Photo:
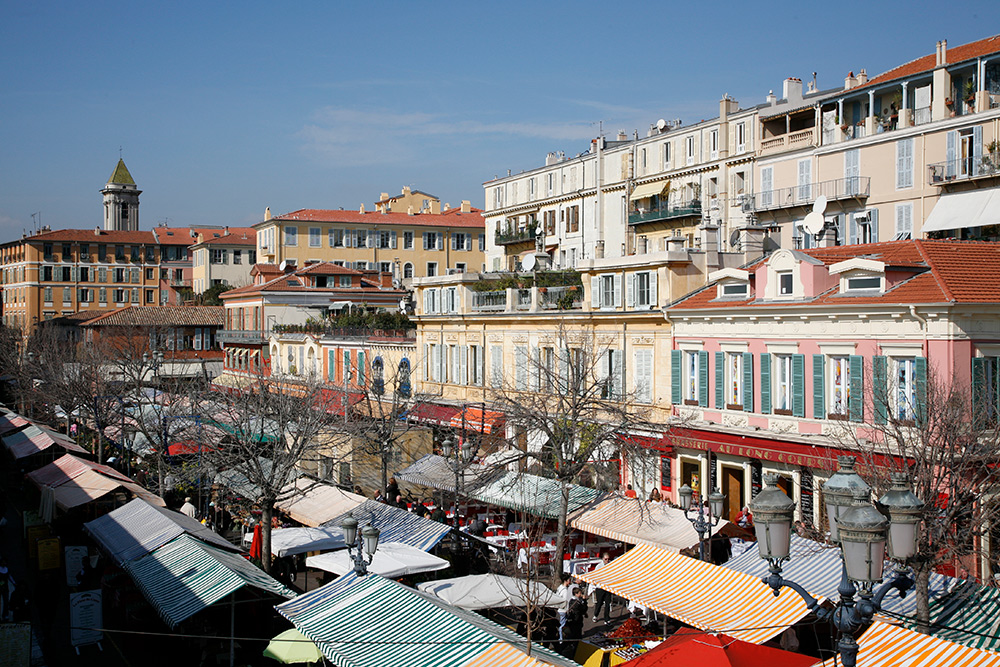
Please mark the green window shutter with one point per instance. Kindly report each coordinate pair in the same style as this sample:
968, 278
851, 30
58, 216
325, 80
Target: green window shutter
920, 373
799, 385
361, 367
765, 383
748, 381
347, 366
675, 376
880, 388
980, 392
331, 365
720, 375
856, 401
703, 379
819, 386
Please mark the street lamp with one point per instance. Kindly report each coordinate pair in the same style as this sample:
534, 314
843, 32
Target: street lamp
862, 532
360, 545
463, 455
702, 522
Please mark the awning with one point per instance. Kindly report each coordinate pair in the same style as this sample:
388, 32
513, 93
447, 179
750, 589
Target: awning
188, 447
429, 413
292, 541
883, 645
11, 422
701, 594
435, 471
339, 305
424, 630
817, 568
186, 575
75, 481
138, 528
960, 210
82, 489
35, 438
649, 190
313, 504
969, 614
636, 521
396, 524
391, 559
692, 647
477, 419
485, 591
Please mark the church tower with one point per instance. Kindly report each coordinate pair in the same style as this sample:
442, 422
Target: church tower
121, 200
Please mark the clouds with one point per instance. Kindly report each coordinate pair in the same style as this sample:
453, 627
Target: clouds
354, 137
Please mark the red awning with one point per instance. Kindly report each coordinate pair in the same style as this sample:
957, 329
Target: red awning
429, 413
477, 419
187, 447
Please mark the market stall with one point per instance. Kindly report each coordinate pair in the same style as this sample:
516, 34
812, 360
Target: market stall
486, 591
391, 559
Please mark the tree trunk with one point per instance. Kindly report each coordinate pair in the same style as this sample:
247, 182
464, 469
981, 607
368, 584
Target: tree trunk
923, 578
267, 511
557, 558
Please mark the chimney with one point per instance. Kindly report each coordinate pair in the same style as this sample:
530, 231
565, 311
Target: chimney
622, 135
447, 206
771, 99
267, 214
97, 231
435, 207
727, 106
944, 51
466, 206
850, 81
406, 190
409, 210
862, 77
225, 230
362, 209
791, 89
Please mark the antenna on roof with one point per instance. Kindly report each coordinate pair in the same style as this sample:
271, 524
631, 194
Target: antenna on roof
36, 222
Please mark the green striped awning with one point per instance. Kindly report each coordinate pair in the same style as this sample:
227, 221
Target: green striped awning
186, 575
372, 621
969, 614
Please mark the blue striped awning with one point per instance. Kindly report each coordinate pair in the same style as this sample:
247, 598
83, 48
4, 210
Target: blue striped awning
817, 568
969, 614
138, 528
186, 575
372, 621
396, 524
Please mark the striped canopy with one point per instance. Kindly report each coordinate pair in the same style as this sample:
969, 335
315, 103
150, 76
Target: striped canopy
372, 621
138, 528
186, 575
817, 568
35, 438
436, 472
75, 481
635, 521
396, 524
884, 645
968, 608
701, 594
313, 504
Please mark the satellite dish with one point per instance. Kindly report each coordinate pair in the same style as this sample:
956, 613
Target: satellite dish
734, 238
402, 305
819, 206
528, 263
814, 223
661, 125
283, 265
396, 283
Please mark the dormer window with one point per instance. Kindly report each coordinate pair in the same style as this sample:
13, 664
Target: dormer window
732, 283
864, 283
735, 290
860, 275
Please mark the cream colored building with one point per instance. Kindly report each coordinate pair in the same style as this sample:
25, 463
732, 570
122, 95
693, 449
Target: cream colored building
223, 256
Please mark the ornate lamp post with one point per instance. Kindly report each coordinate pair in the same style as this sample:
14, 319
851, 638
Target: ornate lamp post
862, 531
702, 522
360, 545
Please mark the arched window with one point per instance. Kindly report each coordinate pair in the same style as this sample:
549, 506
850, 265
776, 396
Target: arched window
408, 270
378, 376
403, 383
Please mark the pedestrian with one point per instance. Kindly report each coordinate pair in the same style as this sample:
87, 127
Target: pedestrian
565, 592
654, 496
602, 597
378, 496
358, 490
392, 489
630, 492
189, 509
575, 614
400, 503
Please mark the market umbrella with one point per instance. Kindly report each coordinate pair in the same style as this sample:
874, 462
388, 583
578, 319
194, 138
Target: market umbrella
392, 559
693, 647
291, 646
482, 591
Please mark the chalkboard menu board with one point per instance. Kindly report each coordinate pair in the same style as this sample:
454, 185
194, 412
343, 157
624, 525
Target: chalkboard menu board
806, 496
713, 477
666, 471
756, 477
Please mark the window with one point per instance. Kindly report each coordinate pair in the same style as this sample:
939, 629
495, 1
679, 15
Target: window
102, 252
67, 252
218, 256
378, 376
67, 273
864, 283
135, 254
47, 251
805, 180
102, 295
408, 270
48, 295
642, 160
735, 290
666, 155
482, 242
252, 256
237, 257
521, 367
572, 219
904, 390
692, 366
460, 267
450, 299
713, 144
119, 295
86, 295
385, 267
149, 274
291, 236
120, 253
840, 385
607, 290
496, 365
741, 137
904, 221
150, 296
314, 237
549, 220
461, 241
643, 375
344, 281
551, 183
407, 240
766, 186
783, 383
904, 163
643, 284
150, 254
689, 150
433, 240
734, 380
432, 269
785, 283
47, 274
403, 387
67, 295
476, 365
498, 197
84, 252
335, 238
431, 301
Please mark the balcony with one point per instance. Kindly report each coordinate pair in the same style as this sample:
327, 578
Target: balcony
663, 212
560, 298
963, 169
804, 195
787, 142
180, 282
246, 337
485, 302
512, 234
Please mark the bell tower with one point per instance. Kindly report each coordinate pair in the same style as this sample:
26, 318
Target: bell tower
121, 200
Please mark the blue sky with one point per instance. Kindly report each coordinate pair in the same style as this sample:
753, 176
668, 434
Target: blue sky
223, 109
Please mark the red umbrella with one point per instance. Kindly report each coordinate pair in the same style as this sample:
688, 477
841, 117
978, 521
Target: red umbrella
693, 647
255, 546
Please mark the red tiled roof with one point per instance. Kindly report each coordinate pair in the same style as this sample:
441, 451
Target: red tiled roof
93, 236
449, 219
328, 269
955, 54
943, 272
145, 316
236, 236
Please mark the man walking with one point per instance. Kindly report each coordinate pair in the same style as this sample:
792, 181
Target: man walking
602, 597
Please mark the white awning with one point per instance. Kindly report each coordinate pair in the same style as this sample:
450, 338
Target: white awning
392, 559
960, 210
648, 190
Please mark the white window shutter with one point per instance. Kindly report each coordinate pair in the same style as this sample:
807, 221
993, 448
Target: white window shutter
618, 289
481, 362
653, 298
392, 240
534, 369
454, 241
197, 338
463, 355
595, 292
630, 290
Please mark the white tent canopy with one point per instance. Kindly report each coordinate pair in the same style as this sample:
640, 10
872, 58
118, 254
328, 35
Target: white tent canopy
292, 541
392, 559
481, 591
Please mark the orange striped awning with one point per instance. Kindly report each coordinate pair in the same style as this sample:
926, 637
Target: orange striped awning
477, 419
883, 644
701, 594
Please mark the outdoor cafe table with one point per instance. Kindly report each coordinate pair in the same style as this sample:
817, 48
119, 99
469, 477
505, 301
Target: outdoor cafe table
578, 565
522, 554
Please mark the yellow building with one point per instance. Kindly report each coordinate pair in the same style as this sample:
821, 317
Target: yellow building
223, 256
405, 245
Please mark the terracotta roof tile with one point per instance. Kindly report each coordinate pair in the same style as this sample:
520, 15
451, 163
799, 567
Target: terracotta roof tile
955, 54
327, 269
93, 236
140, 316
449, 219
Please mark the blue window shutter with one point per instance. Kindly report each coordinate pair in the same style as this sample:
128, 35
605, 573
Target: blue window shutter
703, 379
819, 386
880, 388
799, 385
920, 373
675, 376
720, 375
856, 401
765, 383
748, 381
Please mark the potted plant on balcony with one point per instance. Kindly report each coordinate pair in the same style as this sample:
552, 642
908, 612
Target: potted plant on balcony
970, 91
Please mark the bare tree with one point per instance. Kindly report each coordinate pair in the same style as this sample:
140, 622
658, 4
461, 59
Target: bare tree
949, 446
568, 410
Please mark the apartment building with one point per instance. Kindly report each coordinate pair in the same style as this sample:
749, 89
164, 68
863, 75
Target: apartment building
223, 256
405, 245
